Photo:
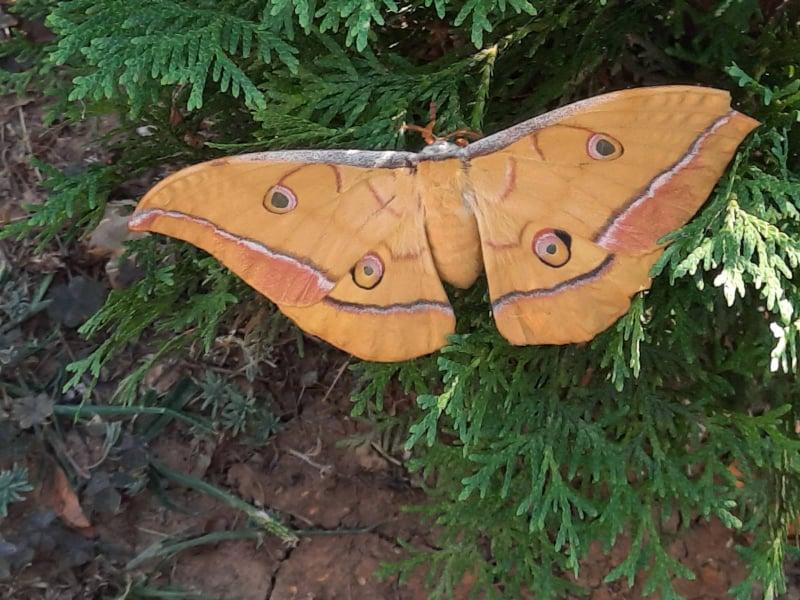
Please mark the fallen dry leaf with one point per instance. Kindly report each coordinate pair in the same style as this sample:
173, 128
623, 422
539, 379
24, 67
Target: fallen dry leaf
32, 410
108, 238
122, 272
245, 479
163, 375
368, 459
76, 301
62, 500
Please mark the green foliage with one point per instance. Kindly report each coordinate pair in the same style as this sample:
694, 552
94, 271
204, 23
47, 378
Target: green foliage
13, 484
130, 51
133, 49
744, 236
190, 293
237, 413
356, 18
530, 454
341, 98
18, 82
76, 200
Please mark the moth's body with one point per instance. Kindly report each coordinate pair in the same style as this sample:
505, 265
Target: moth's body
563, 212
450, 225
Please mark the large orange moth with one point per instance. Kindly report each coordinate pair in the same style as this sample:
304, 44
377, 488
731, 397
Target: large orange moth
563, 212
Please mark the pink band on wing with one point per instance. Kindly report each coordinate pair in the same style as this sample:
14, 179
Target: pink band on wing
666, 203
281, 277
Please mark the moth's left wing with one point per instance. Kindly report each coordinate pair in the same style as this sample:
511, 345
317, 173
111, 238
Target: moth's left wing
570, 205
335, 238
291, 224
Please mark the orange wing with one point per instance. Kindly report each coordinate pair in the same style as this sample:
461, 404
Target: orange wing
569, 208
336, 239
291, 224
392, 307
571, 205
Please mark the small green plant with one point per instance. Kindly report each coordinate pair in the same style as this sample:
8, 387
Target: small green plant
13, 484
236, 412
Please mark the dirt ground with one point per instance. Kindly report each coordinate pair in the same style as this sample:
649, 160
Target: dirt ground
347, 496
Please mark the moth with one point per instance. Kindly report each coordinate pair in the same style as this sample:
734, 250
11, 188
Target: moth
563, 212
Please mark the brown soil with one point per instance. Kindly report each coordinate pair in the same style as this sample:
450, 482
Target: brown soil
350, 503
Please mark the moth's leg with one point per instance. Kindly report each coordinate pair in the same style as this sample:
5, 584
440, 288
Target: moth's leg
426, 132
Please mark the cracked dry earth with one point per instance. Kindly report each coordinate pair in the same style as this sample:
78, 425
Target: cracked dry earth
351, 498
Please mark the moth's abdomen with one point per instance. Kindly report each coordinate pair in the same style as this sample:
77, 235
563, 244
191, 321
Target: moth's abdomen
449, 223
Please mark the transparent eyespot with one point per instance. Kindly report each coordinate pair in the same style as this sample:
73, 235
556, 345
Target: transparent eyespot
368, 271
603, 147
552, 247
280, 200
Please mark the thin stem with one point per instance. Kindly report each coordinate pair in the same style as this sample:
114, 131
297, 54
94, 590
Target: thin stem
489, 56
261, 517
162, 549
90, 410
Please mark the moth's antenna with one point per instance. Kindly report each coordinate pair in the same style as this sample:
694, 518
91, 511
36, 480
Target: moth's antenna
432, 111
464, 136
